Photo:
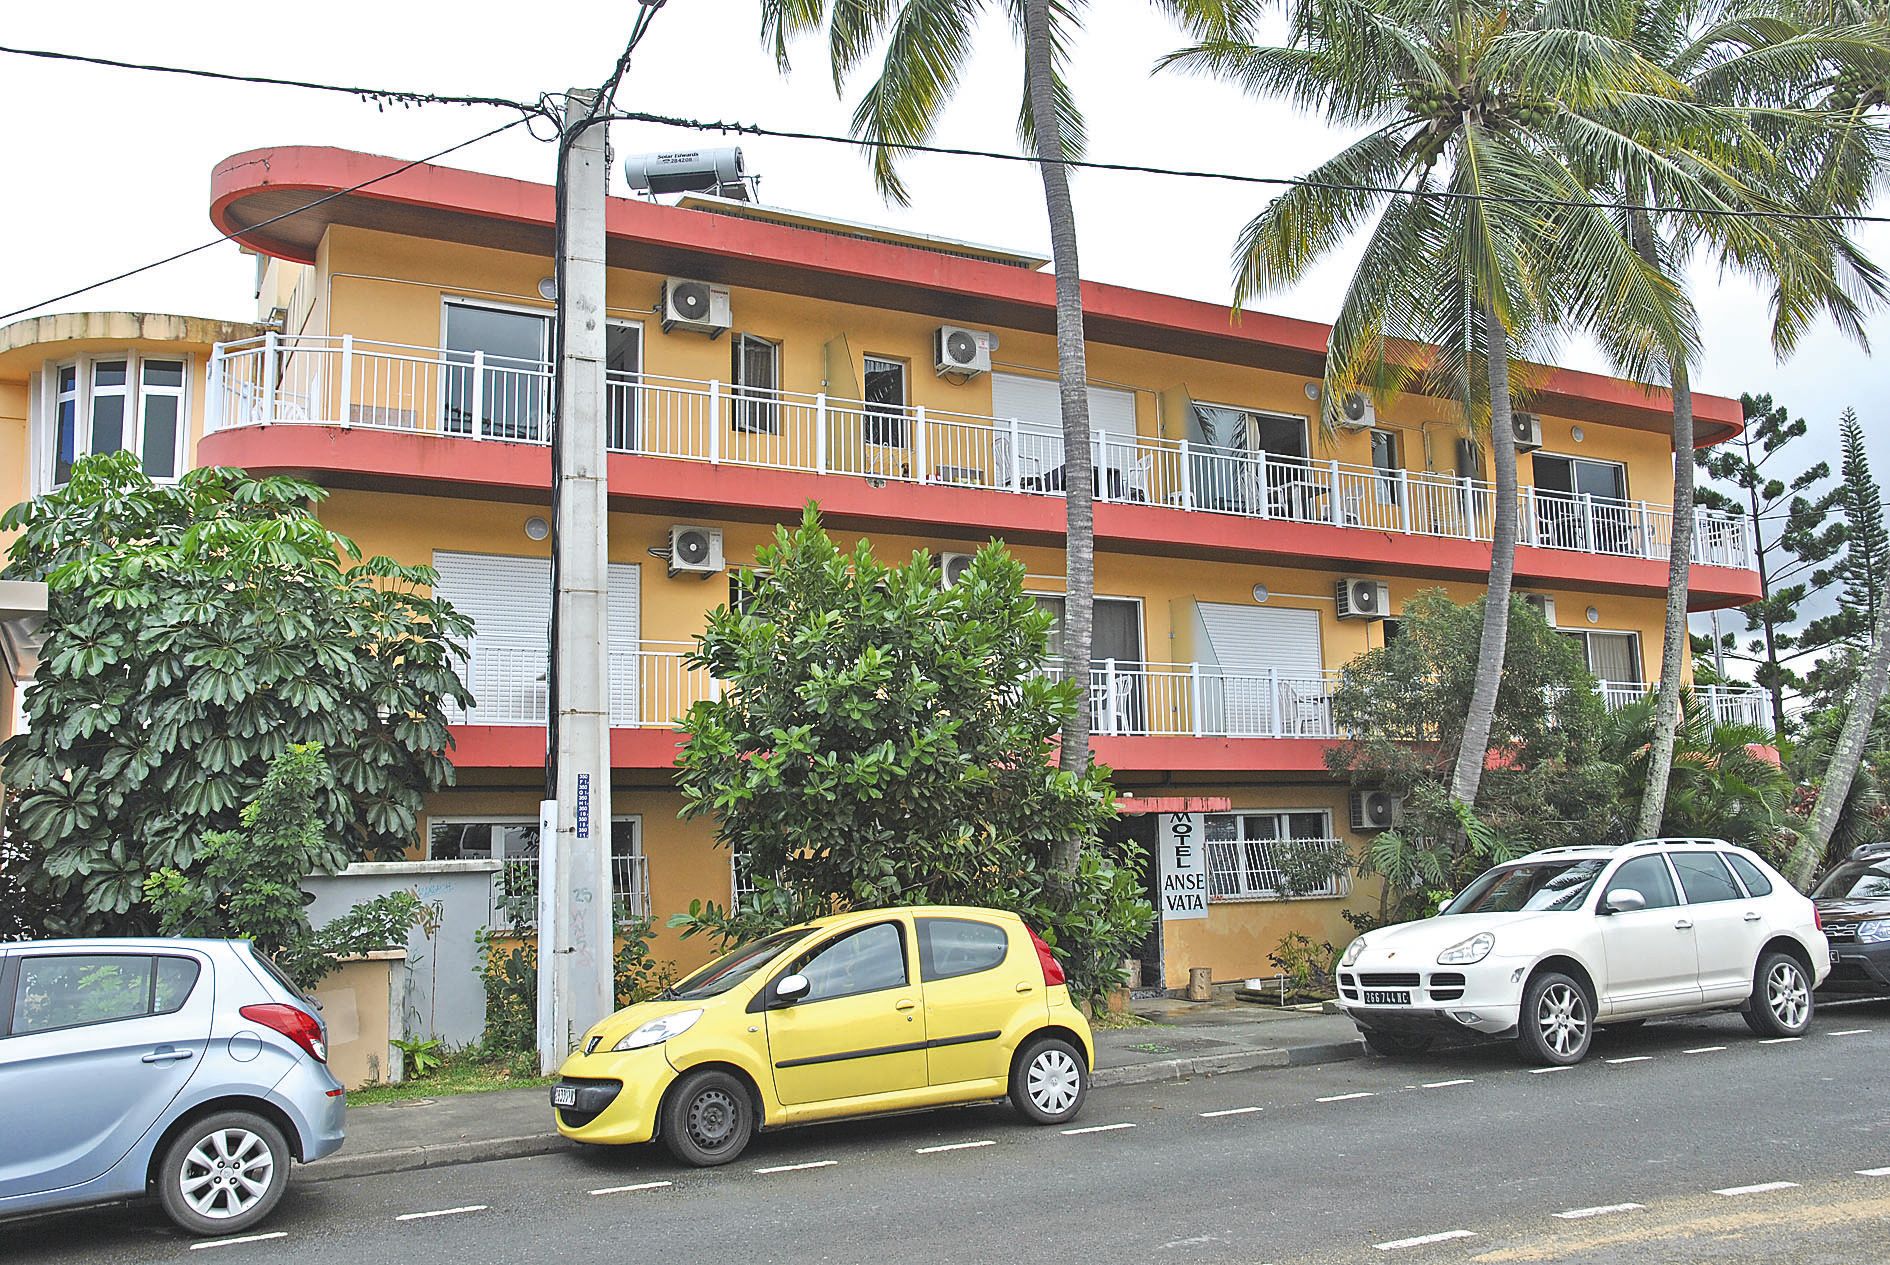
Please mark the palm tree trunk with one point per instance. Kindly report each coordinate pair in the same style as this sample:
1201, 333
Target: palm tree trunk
1473, 752
1845, 757
1079, 474
1673, 647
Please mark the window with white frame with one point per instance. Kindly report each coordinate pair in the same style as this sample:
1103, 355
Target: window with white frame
116, 401
514, 842
1251, 855
756, 372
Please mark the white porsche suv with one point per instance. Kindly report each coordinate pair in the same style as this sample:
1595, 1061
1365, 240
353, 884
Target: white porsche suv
1547, 947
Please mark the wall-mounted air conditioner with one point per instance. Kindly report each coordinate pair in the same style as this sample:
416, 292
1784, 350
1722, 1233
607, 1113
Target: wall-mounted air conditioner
1362, 599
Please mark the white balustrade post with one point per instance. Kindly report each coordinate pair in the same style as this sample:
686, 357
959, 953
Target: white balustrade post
1648, 548
214, 381
1017, 456
1266, 492
715, 423
1338, 494
345, 414
1194, 698
479, 395
820, 433
1588, 523
1099, 479
270, 411
1187, 477
1278, 722
1109, 694
1530, 522
919, 445
1404, 500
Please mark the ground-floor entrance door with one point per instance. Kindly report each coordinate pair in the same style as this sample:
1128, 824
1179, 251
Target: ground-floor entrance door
1141, 828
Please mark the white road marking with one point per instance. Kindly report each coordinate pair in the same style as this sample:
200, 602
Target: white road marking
1543, 1071
1760, 1189
1363, 1093
1576, 1214
241, 1238
624, 1190
1465, 1080
955, 1146
1780, 1040
1707, 1049
1096, 1128
441, 1212
1848, 1032
1423, 1239
1632, 1058
795, 1168
1873, 1172
1231, 1111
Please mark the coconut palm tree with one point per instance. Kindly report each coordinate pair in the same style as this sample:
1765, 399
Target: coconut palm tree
927, 44
1489, 245
1754, 146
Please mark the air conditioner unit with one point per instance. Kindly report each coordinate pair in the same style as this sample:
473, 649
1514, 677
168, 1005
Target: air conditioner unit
966, 351
694, 305
695, 550
1363, 599
952, 568
1376, 810
1357, 412
1544, 604
1528, 431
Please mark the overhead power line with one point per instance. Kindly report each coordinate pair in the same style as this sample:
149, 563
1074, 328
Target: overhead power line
1091, 164
382, 97
274, 219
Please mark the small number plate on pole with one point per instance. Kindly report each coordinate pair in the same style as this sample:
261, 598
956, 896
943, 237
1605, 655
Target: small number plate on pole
583, 805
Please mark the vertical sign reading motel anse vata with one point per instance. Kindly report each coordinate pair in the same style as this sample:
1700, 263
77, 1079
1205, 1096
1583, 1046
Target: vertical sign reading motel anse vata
1183, 866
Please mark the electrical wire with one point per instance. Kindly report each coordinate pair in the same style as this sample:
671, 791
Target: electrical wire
1294, 182
239, 234
382, 97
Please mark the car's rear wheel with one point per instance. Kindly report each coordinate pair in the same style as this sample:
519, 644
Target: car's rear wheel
1398, 1045
224, 1173
1781, 1002
1049, 1081
708, 1118
1556, 1025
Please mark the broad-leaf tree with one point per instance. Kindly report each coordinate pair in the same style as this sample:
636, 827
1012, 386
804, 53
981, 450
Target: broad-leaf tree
1490, 241
194, 631
881, 739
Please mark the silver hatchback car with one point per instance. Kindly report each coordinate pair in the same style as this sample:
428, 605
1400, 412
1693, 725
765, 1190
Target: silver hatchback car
188, 1069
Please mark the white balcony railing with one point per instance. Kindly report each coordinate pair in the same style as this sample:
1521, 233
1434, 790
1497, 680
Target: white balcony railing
650, 685
515, 890
349, 382
1725, 704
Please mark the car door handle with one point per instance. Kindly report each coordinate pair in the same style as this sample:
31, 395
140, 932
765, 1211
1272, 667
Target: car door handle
1683, 925
905, 1004
1024, 987
165, 1056
1751, 917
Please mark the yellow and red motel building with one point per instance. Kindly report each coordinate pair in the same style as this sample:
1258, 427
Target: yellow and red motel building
760, 359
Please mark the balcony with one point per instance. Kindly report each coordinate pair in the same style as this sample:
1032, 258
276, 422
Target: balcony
350, 383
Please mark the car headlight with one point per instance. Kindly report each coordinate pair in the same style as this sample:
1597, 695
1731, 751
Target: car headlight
1475, 949
1353, 952
657, 1031
1875, 931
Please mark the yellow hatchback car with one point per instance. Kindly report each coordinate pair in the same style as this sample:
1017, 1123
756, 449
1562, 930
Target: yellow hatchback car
858, 1014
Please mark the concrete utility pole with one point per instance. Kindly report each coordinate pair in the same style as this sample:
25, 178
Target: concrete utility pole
576, 933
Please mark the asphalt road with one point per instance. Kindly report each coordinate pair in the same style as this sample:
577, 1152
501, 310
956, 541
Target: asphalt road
1680, 1142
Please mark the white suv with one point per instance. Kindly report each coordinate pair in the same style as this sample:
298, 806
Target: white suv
1545, 948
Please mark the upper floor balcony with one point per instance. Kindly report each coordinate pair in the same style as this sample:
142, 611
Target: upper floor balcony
1356, 514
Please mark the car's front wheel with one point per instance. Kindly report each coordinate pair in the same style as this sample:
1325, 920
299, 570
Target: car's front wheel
1398, 1045
1557, 1022
1781, 1002
708, 1118
224, 1173
1049, 1081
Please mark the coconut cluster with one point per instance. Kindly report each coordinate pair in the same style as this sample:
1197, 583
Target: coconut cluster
1447, 105
1855, 90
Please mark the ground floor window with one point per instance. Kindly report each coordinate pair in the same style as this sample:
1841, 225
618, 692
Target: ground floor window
1268, 855
514, 841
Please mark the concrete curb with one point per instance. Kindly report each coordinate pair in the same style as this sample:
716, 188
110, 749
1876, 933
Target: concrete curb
482, 1150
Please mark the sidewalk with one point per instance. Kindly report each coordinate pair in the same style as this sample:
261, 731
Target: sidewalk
1186, 1039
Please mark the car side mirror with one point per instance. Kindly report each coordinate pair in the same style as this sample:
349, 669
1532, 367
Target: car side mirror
1621, 900
790, 989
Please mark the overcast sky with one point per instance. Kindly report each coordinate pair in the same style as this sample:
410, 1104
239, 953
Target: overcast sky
111, 167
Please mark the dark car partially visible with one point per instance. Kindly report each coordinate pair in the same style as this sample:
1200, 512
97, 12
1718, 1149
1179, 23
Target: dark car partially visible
1853, 901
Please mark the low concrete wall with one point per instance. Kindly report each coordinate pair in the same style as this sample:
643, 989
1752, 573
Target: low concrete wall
443, 994
363, 1003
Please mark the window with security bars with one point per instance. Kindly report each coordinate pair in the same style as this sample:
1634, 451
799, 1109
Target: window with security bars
514, 842
1255, 856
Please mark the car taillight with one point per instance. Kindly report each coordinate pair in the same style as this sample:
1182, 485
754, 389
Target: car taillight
1052, 970
1817, 919
292, 1022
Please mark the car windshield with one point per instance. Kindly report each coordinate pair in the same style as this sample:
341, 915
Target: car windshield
732, 968
1536, 885
1860, 880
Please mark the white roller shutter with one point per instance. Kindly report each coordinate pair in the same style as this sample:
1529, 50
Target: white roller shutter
509, 601
1271, 669
1037, 403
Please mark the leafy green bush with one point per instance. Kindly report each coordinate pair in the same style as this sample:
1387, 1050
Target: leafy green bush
509, 971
